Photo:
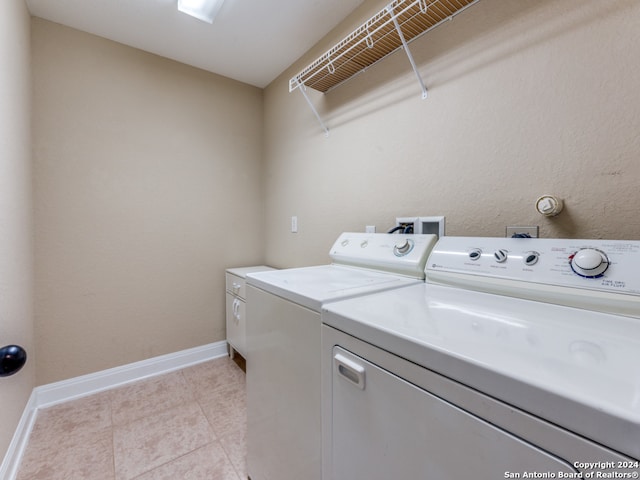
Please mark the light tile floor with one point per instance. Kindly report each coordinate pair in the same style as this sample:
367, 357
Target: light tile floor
187, 425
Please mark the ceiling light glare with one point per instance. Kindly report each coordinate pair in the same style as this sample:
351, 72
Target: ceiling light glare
205, 10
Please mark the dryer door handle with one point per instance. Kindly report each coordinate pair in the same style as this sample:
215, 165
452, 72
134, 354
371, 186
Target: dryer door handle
350, 370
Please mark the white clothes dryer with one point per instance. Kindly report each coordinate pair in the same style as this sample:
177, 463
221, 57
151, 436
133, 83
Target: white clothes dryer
518, 358
284, 339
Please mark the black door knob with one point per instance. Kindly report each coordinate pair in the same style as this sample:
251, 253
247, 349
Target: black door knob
12, 359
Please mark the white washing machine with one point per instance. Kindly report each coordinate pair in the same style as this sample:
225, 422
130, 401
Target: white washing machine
518, 358
284, 339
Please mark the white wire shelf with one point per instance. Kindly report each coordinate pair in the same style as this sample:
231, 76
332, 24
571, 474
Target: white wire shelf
392, 28
375, 39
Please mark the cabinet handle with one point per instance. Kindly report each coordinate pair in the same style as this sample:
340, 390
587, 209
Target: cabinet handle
350, 370
236, 310
236, 287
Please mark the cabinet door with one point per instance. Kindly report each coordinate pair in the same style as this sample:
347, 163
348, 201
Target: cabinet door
236, 324
384, 427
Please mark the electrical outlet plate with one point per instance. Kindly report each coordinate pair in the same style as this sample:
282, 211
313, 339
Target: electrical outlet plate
531, 231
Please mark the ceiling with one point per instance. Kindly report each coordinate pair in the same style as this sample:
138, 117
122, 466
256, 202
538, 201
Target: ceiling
251, 41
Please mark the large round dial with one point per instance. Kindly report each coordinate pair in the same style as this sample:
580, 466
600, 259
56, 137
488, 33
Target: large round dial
403, 247
589, 262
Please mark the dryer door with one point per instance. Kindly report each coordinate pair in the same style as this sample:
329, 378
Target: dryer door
384, 427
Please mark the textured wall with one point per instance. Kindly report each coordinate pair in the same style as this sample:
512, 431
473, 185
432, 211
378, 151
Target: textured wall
526, 98
16, 249
148, 173
147, 186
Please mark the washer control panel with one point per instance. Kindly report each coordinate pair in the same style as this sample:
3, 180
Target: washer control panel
604, 265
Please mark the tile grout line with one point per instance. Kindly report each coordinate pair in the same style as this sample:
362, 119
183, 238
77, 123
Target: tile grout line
219, 439
170, 461
235, 468
192, 385
193, 391
158, 412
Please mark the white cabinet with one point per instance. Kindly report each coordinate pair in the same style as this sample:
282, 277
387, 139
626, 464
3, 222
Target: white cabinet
236, 320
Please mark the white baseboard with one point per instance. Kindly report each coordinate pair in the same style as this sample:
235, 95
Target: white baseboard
84, 385
73, 388
11, 462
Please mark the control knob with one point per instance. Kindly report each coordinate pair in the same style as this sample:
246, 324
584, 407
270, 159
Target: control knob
475, 254
500, 255
403, 247
589, 262
531, 258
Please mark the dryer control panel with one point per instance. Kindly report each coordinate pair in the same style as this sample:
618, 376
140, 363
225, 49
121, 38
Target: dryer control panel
402, 254
584, 273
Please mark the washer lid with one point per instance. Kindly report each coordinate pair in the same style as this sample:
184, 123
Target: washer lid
313, 286
573, 367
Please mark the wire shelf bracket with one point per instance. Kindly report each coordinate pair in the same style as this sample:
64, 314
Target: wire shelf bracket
303, 89
406, 46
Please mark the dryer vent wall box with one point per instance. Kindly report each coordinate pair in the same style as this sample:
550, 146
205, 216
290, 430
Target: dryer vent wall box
431, 225
424, 225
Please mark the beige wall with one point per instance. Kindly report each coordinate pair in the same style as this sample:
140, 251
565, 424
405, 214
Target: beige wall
149, 181
16, 252
147, 186
525, 98
148, 173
